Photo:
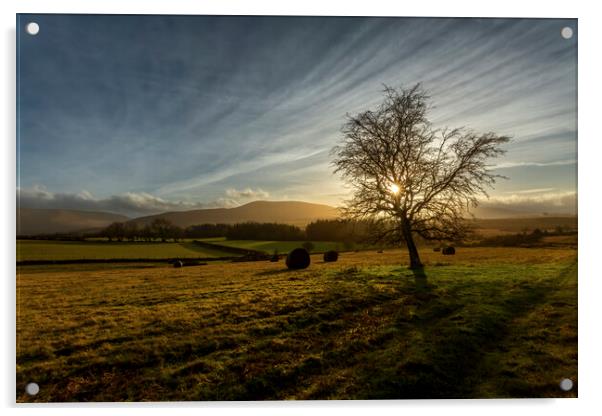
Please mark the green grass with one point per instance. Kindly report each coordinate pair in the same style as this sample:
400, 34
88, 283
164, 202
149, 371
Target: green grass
491, 322
280, 246
73, 250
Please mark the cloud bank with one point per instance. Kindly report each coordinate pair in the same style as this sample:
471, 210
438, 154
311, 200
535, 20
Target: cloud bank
535, 201
132, 204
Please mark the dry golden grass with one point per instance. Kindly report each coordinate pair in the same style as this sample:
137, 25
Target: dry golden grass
494, 322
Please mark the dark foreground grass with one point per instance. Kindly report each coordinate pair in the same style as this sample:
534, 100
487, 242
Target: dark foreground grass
489, 323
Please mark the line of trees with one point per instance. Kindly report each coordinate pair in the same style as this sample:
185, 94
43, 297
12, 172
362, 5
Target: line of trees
264, 231
525, 238
337, 230
207, 230
160, 229
163, 230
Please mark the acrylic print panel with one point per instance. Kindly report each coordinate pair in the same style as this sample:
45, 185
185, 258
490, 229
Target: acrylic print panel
275, 208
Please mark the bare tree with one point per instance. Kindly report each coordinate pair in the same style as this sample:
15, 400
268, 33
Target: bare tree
115, 230
131, 230
176, 233
409, 178
162, 228
147, 233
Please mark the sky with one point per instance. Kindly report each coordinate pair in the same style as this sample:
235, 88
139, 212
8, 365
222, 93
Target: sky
144, 114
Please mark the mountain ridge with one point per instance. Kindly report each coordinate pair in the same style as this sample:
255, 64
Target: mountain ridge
41, 221
34, 221
290, 212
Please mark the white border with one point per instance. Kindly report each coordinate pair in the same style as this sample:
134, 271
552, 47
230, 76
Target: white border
590, 153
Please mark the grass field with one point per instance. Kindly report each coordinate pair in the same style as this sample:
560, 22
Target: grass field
74, 250
282, 247
492, 322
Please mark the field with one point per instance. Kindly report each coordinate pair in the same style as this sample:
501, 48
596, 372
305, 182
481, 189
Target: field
75, 250
282, 247
101, 249
490, 322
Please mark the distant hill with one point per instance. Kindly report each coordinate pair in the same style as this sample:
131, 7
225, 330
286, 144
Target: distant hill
286, 212
490, 212
494, 226
51, 221
484, 212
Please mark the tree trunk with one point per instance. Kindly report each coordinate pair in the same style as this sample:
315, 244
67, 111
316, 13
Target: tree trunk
415, 262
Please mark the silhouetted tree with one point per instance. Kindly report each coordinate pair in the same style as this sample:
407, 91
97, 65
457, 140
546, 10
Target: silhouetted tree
337, 230
176, 233
147, 233
130, 230
409, 178
162, 228
115, 231
206, 230
108, 232
264, 231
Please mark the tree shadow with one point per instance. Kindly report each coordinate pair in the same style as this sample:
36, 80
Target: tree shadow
420, 279
194, 247
459, 334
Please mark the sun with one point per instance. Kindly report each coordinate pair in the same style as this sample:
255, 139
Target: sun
394, 188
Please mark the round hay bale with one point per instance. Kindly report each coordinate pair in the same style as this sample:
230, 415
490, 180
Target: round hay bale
178, 263
298, 259
448, 251
274, 258
331, 256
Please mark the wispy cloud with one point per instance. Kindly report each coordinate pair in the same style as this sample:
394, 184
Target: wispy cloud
209, 103
532, 191
247, 193
505, 165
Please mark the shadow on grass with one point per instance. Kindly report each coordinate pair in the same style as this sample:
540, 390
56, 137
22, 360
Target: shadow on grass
420, 279
203, 250
391, 338
455, 334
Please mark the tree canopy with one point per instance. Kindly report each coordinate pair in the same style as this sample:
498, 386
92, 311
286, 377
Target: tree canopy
410, 178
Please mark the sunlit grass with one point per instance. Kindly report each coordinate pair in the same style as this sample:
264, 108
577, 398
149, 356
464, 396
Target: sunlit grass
492, 323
